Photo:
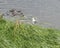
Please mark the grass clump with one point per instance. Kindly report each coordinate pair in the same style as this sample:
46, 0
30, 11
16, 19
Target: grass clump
27, 36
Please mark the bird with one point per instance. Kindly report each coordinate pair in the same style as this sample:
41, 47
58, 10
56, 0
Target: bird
19, 11
33, 20
13, 12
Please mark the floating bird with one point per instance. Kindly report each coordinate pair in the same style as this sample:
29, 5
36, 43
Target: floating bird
13, 12
19, 11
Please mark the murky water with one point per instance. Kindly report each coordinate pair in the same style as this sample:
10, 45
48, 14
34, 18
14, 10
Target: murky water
46, 11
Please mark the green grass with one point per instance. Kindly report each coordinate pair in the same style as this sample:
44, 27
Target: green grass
27, 36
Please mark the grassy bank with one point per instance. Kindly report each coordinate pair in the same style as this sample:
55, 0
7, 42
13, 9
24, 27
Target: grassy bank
13, 35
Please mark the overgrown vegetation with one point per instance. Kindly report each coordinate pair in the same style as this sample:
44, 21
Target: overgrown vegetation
13, 35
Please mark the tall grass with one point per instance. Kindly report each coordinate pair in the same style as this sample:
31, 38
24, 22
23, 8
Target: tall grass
15, 35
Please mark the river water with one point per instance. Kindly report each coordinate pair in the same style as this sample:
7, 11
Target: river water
46, 11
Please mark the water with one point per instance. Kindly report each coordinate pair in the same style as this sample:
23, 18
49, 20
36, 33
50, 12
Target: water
46, 11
